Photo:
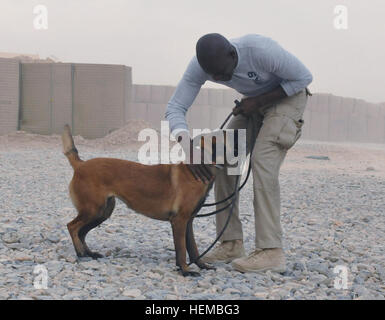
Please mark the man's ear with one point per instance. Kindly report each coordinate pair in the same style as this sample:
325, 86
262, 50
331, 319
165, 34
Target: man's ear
233, 52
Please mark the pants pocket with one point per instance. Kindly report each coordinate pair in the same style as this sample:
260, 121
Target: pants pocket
293, 106
291, 131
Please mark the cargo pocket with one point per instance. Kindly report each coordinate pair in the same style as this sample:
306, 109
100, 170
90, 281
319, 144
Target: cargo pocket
290, 133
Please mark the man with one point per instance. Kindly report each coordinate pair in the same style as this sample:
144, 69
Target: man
274, 84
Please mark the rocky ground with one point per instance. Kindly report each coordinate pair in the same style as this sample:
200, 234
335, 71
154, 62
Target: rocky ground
332, 215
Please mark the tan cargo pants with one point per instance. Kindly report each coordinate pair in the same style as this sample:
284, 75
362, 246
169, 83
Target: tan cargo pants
275, 129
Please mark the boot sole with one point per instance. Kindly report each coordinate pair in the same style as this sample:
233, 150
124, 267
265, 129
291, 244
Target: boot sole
221, 261
279, 269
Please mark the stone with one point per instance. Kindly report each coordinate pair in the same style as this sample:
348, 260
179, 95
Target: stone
132, 293
318, 157
11, 237
53, 238
23, 257
231, 291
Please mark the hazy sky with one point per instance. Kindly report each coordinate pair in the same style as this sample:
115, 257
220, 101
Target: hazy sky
157, 38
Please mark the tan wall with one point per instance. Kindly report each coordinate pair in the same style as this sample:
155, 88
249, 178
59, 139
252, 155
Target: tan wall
46, 97
97, 99
327, 117
93, 99
9, 95
209, 109
100, 98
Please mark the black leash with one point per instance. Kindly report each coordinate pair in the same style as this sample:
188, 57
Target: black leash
237, 103
224, 200
224, 227
234, 197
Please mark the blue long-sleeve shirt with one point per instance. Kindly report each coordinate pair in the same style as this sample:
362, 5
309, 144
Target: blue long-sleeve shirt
262, 65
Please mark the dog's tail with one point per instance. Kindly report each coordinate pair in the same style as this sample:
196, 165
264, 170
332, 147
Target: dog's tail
69, 148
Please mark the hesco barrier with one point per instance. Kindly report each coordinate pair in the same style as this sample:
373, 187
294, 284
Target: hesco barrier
92, 98
327, 117
96, 99
9, 95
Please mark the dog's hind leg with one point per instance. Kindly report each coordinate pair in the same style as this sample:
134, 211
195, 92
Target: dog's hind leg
192, 248
104, 213
85, 222
73, 228
179, 225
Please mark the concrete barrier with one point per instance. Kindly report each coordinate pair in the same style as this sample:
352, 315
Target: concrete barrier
198, 116
61, 104
338, 120
358, 122
9, 95
375, 123
320, 118
327, 117
97, 99
155, 113
36, 98
93, 99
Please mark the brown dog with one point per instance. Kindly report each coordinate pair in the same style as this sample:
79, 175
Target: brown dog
163, 192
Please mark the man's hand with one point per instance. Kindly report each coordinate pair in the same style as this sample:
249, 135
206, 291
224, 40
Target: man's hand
249, 105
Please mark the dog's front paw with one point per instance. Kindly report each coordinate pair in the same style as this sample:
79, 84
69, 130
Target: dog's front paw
188, 273
95, 255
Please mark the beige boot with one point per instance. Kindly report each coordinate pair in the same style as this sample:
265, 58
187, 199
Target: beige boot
261, 260
226, 252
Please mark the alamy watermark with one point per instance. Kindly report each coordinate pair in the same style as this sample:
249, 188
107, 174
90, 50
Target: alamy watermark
40, 281
218, 147
340, 21
40, 20
341, 278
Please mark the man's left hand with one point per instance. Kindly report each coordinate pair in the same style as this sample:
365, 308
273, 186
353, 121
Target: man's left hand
249, 105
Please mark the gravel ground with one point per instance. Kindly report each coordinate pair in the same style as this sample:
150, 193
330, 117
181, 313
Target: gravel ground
332, 214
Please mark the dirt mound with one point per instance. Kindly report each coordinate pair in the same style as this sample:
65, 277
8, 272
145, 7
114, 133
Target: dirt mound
125, 137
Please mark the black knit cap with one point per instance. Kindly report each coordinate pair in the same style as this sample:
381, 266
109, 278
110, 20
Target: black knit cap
211, 51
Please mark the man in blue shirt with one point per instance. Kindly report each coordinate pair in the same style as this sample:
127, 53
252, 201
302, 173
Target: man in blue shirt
273, 83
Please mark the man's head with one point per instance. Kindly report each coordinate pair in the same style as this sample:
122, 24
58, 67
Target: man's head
217, 56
